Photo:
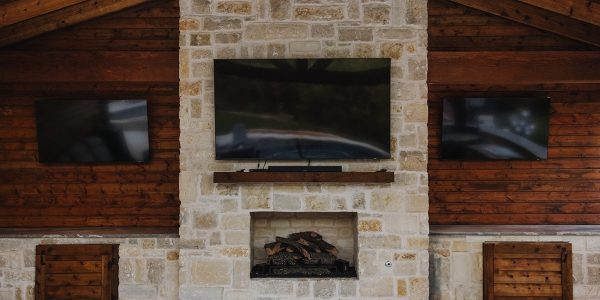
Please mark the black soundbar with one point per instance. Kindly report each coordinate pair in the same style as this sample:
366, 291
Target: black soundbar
300, 169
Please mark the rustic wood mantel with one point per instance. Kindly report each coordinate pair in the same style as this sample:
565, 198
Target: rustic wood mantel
340, 177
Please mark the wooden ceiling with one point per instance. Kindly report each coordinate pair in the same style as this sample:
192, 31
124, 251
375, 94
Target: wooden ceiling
575, 19
24, 19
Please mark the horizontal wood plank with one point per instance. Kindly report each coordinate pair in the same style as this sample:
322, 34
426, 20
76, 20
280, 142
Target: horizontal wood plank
503, 276
512, 219
65, 280
507, 66
527, 264
515, 208
70, 250
61, 66
97, 231
515, 197
77, 222
519, 289
60, 267
74, 292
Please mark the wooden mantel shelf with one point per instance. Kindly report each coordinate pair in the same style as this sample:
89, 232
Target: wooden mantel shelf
340, 177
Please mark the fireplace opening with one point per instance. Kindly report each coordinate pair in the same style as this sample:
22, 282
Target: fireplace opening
318, 245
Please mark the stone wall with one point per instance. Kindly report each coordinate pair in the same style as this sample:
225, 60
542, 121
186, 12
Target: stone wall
456, 265
392, 218
148, 267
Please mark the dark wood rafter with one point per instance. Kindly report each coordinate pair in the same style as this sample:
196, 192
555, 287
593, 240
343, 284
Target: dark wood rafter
12, 12
587, 10
32, 20
539, 18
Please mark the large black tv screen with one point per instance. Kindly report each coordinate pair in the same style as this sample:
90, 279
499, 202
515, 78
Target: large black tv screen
92, 131
302, 109
495, 128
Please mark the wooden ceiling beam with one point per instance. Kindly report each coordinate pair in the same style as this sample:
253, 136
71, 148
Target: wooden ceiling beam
539, 18
70, 15
583, 10
20, 10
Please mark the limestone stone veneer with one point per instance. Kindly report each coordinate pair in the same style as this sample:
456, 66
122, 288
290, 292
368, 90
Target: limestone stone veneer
391, 218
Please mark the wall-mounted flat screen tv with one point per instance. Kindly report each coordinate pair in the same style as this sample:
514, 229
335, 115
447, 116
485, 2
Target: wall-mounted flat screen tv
495, 128
302, 109
90, 131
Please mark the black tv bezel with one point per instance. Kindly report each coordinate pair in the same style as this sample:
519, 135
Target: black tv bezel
134, 162
389, 148
503, 98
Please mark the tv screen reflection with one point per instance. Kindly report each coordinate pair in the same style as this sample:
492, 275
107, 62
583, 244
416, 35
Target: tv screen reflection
294, 109
495, 128
92, 131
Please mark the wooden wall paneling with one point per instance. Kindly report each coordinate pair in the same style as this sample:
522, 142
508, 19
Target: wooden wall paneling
560, 190
107, 198
515, 67
74, 66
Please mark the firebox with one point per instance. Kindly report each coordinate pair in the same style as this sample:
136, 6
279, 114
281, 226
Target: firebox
303, 244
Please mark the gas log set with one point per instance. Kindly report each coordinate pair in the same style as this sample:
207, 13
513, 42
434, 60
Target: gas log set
302, 254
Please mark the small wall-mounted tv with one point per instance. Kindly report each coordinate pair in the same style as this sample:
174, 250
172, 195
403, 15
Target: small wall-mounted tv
90, 131
302, 109
495, 128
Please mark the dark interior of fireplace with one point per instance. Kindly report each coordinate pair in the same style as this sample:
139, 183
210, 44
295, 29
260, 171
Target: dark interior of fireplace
302, 254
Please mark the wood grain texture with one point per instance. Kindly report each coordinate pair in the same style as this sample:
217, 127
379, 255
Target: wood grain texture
514, 270
456, 27
587, 11
76, 271
567, 271
57, 17
20, 10
488, 271
257, 177
539, 18
560, 190
514, 67
130, 198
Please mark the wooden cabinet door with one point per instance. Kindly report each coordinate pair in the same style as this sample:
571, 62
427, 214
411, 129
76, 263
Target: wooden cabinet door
77, 272
527, 270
